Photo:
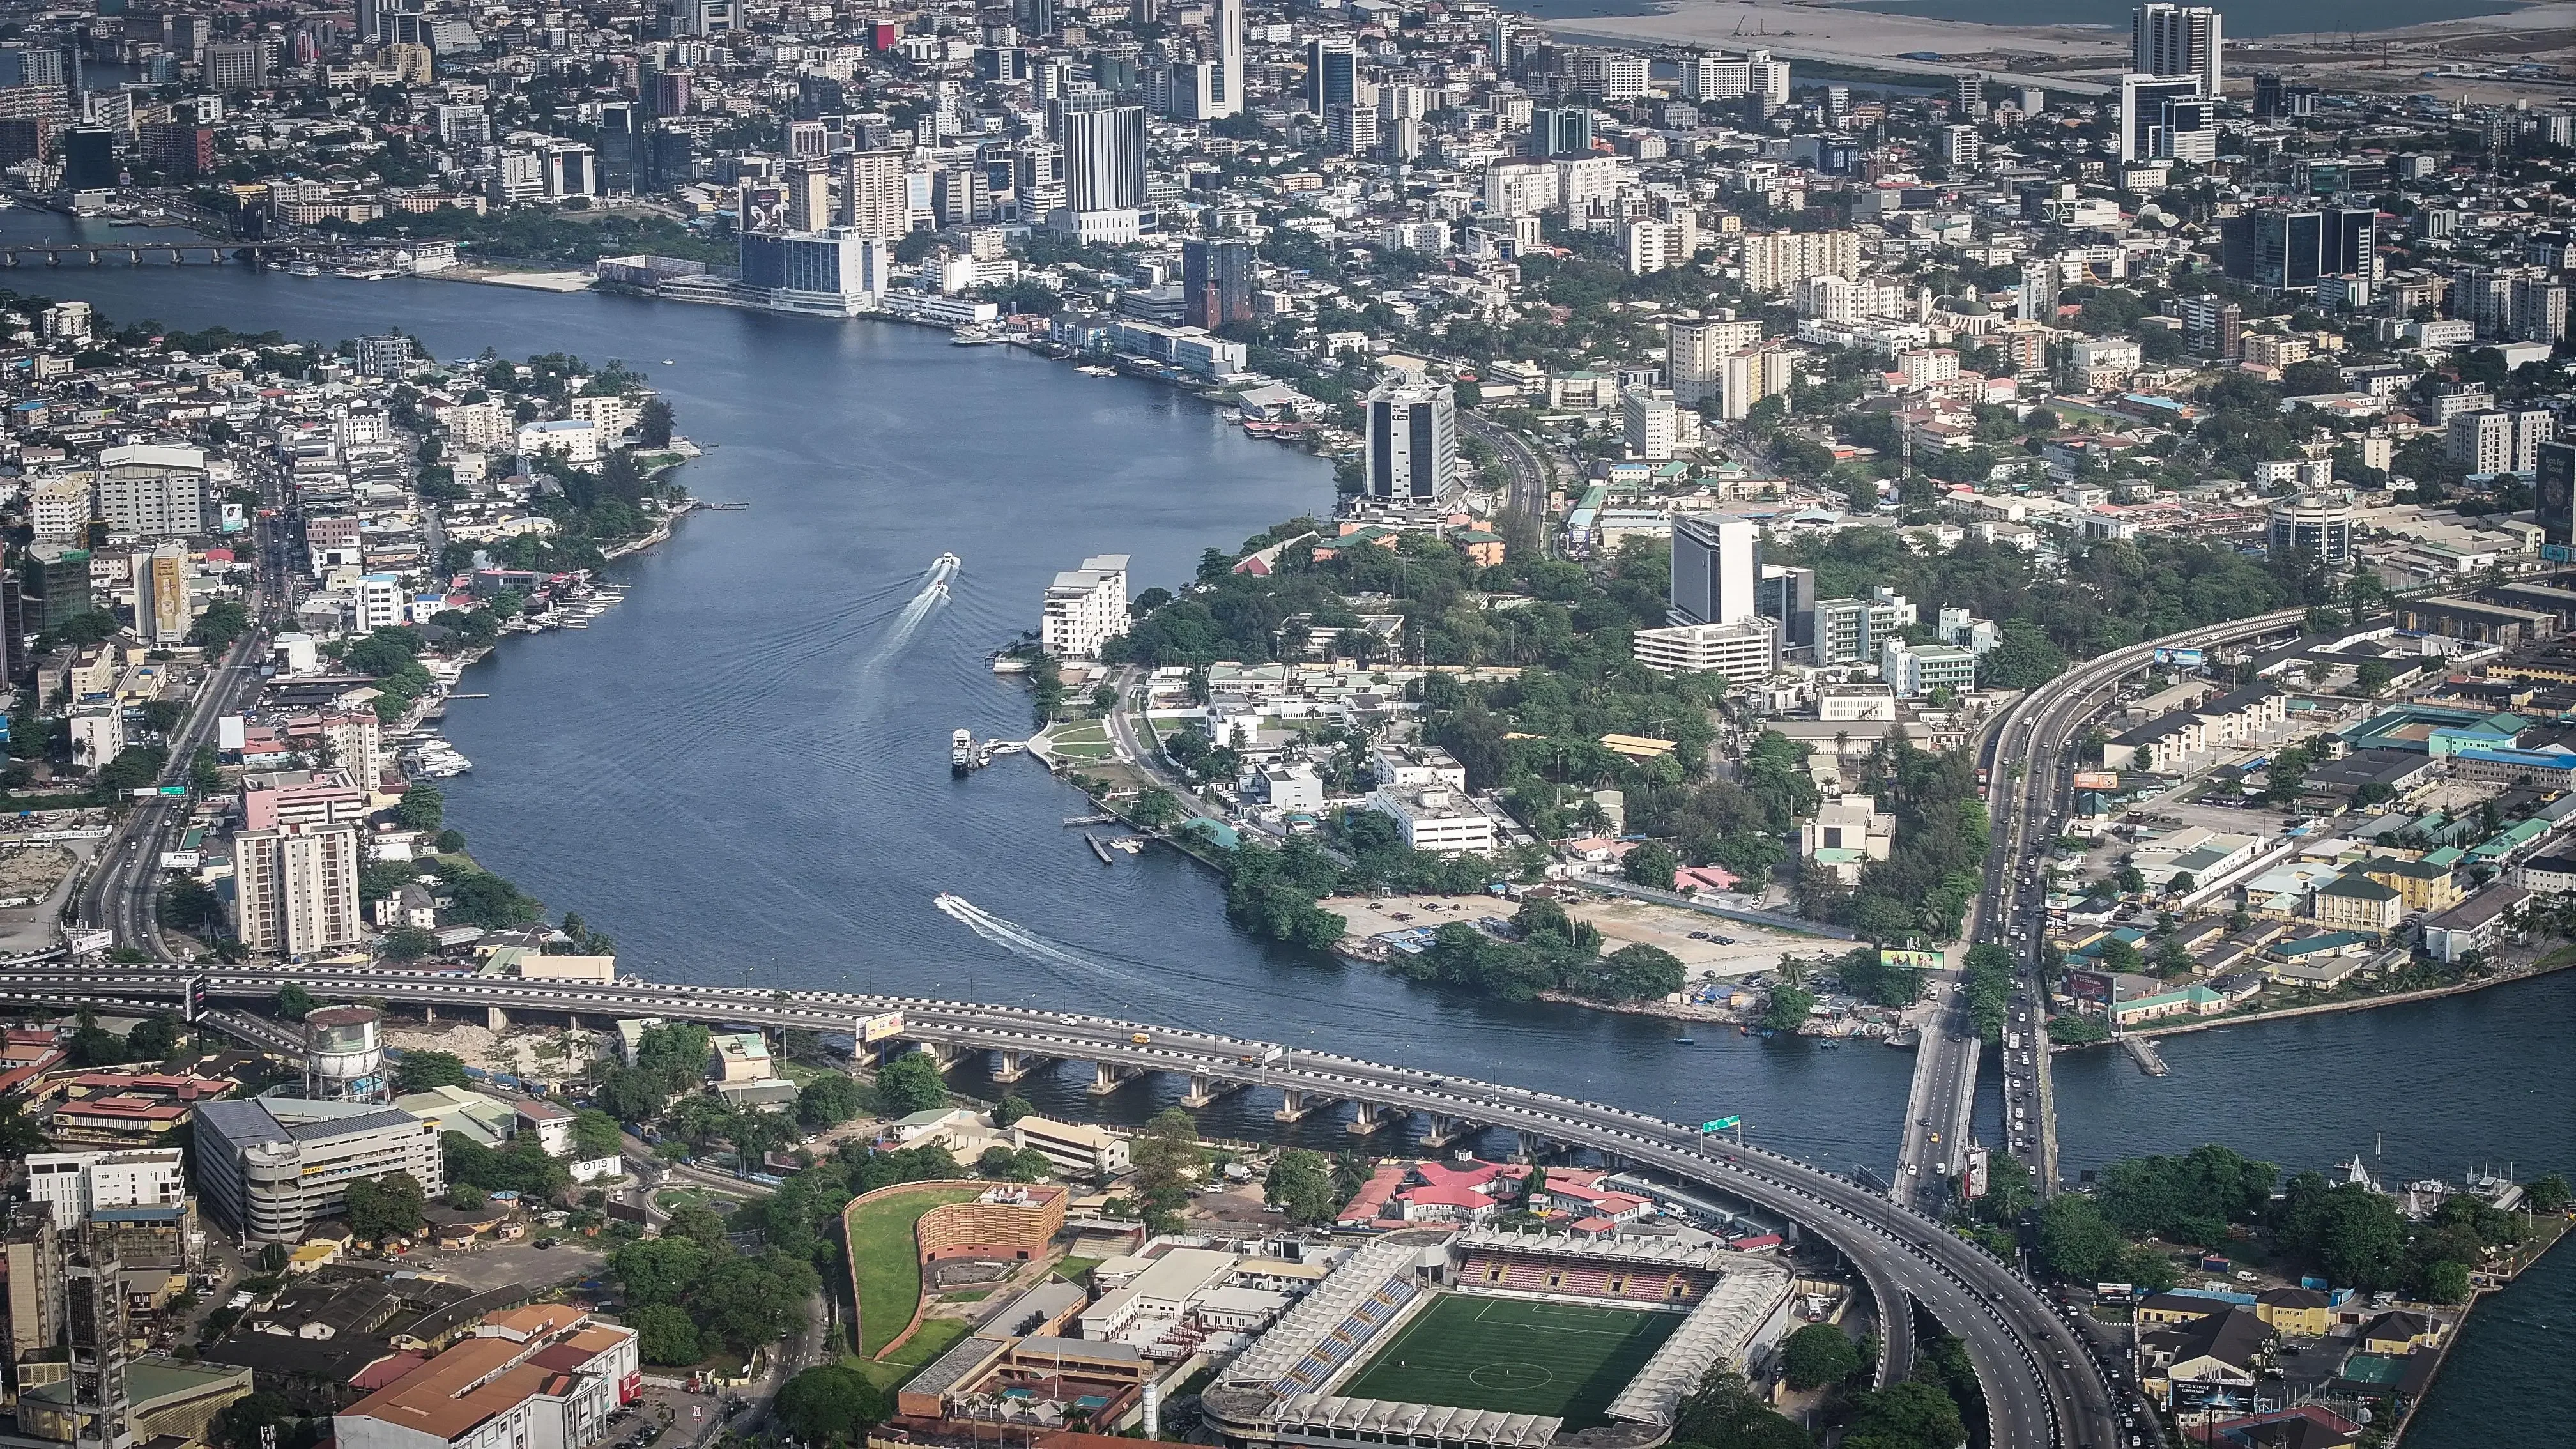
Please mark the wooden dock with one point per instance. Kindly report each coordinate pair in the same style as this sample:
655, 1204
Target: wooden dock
2143, 1052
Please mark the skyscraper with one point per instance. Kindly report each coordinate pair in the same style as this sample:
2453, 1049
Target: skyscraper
2166, 118
2176, 40
1332, 75
1228, 97
1412, 441
1216, 281
2554, 505
161, 596
1104, 151
1715, 564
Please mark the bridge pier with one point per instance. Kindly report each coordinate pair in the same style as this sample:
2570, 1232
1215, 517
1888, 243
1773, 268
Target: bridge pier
1108, 1077
1015, 1064
1206, 1088
1446, 1129
1528, 1145
942, 1057
1296, 1104
1368, 1118
495, 1019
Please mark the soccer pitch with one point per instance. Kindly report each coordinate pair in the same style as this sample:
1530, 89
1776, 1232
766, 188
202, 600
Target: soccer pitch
1517, 1356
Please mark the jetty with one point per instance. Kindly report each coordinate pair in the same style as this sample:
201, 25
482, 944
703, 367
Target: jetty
2143, 1052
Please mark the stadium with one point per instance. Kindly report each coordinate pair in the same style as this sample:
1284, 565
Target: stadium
1495, 1340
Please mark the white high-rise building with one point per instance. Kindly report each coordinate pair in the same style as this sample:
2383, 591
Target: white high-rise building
1715, 561
1104, 151
150, 491
2176, 40
1085, 607
297, 889
1776, 261
1228, 97
1693, 350
1651, 424
1412, 441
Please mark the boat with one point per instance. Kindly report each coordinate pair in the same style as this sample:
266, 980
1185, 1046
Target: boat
1089, 369
972, 335
666, 362
303, 269
950, 905
948, 561
961, 752
1686, 1041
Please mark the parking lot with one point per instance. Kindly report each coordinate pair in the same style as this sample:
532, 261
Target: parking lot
1704, 944
498, 1265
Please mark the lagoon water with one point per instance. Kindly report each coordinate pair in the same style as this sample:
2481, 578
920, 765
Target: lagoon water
742, 776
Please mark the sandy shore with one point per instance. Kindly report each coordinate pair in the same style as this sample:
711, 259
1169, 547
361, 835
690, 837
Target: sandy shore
1860, 36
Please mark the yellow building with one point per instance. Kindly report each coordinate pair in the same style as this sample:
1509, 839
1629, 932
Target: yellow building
2300, 1312
2422, 885
2358, 903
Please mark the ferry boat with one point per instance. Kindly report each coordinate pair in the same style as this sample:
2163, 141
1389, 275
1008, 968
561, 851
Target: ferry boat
1089, 369
961, 752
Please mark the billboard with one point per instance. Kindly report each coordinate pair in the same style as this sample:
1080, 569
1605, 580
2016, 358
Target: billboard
1972, 1182
874, 1029
1721, 1124
2097, 779
2186, 658
1916, 960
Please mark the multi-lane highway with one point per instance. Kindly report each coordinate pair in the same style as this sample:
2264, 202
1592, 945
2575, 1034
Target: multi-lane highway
2028, 757
2041, 1387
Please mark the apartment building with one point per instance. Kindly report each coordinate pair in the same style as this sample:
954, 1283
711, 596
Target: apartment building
1085, 607
297, 888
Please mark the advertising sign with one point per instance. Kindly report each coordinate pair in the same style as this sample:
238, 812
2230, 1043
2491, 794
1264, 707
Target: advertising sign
1972, 1183
2186, 658
1918, 960
874, 1029
1721, 1124
2097, 779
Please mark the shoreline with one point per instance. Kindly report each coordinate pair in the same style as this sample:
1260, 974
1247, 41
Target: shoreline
2325, 1008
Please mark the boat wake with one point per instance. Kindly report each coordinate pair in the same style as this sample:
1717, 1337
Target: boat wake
1020, 941
932, 596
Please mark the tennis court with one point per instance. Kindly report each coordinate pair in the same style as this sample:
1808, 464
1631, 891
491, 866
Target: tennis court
1516, 1355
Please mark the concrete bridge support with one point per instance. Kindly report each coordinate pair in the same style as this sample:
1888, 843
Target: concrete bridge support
1107, 1077
1296, 1105
1206, 1089
1529, 1146
1446, 1129
495, 1019
941, 1056
1013, 1064
1368, 1118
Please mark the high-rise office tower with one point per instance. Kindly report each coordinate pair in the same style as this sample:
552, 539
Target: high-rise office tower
1228, 97
621, 149
1412, 441
2166, 118
1332, 75
2176, 40
297, 889
1104, 151
1216, 281
1716, 562
2286, 250
1560, 131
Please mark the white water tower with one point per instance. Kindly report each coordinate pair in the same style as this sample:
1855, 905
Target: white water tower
344, 1054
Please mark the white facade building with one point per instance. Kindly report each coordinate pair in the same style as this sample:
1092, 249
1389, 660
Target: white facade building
75, 1184
1436, 818
1085, 607
297, 888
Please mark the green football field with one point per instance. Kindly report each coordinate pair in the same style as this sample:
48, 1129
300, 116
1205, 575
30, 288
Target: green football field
1516, 1356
